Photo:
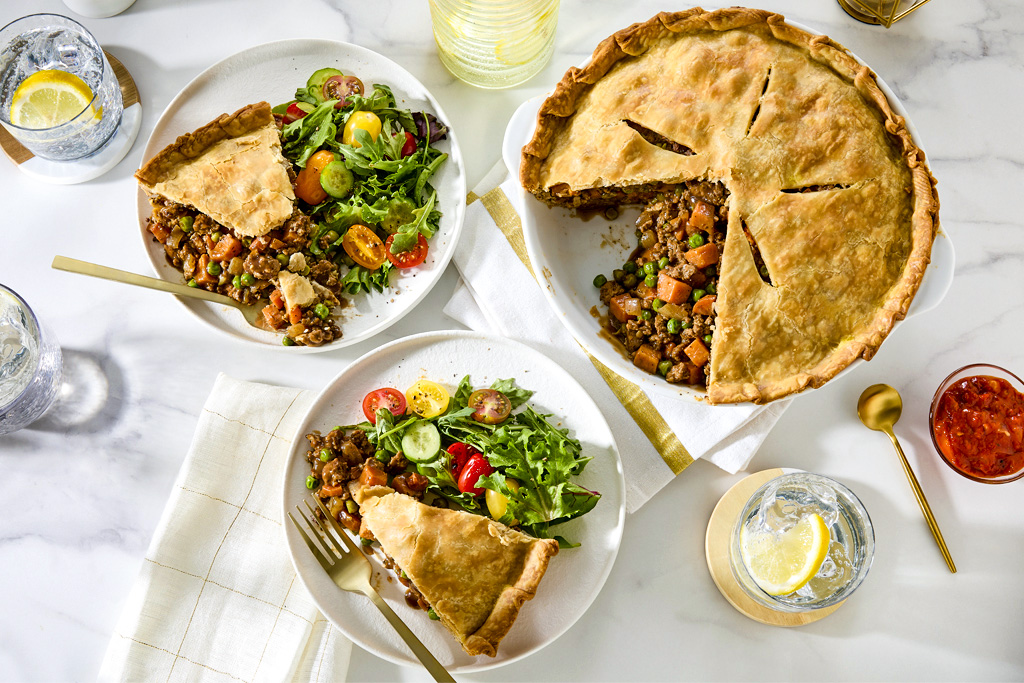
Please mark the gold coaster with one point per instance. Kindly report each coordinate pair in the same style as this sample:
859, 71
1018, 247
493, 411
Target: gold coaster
716, 547
17, 152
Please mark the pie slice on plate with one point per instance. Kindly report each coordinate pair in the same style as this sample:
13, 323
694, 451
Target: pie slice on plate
474, 572
773, 152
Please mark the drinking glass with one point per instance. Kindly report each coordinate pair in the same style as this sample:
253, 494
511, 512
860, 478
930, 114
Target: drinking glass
50, 41
780, 504
30, 364
494, 43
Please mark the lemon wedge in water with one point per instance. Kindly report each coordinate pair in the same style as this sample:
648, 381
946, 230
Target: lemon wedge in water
782, 563
49, 98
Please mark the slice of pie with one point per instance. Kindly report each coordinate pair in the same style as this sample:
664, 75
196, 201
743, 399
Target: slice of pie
231, 169
774, 157
474, 572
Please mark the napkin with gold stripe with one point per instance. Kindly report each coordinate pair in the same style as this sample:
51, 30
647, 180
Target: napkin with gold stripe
657, 437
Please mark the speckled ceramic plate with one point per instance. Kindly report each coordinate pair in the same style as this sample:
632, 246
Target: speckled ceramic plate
574, 577
272, 72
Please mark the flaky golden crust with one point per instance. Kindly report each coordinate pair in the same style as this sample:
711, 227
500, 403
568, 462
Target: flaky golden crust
821, 171
474, 572
231, 169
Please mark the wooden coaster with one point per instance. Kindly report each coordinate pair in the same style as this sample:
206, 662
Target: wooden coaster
68, 172
716, 547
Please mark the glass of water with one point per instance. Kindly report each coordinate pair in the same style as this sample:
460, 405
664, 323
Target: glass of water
30, 364
808, 529
59, 54
494, 43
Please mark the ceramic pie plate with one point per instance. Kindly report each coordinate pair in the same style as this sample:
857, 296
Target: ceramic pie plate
569, 251
574, 576
272, 72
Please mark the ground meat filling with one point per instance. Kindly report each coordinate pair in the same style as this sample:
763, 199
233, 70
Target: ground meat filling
212, 257
661, 301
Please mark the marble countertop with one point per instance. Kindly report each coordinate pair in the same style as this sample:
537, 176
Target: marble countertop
80, 501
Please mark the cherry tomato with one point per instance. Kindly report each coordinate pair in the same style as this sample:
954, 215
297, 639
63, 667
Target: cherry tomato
340, 88
294, 112
385, 397
476, 467
460, 454
427, 399
364, 120
407, 259
307, 183
489, 406
410, 144
365, 248
497, 503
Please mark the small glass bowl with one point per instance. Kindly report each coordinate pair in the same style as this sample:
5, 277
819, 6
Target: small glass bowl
971, 371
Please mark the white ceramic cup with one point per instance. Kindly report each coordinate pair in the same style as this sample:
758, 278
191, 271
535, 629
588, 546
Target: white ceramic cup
97, 9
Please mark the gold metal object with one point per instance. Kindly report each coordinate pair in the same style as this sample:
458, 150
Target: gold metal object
879, 408
251, 313
879, 12
350, 571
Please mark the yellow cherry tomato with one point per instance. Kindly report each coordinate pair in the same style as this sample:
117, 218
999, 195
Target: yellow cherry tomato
497, 503
365, 248
426, 398
360, 120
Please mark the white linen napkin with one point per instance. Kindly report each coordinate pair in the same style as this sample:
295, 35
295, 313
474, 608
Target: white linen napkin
727, 438
217, 596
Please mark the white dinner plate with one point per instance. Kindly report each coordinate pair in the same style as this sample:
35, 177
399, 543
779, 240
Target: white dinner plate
272, 72
574, 577
570, 252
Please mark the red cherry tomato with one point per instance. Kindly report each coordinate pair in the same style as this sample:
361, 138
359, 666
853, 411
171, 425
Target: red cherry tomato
410, 144
476, 467
294, 112
407, 259
489, 406
460, 453
385, 397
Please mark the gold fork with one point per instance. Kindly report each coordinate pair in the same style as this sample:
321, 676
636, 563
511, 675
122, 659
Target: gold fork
350, 571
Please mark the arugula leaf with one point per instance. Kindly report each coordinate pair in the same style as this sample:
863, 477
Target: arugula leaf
515, 395
408, 234
359, 279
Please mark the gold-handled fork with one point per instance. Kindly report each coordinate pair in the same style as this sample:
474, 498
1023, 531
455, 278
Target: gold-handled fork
350, 570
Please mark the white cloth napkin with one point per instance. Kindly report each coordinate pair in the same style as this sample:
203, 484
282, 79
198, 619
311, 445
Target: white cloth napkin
217, 598
728, 438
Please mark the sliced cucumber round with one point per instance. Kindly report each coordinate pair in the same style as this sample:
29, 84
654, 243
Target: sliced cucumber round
315, 84
421, 442
336, 179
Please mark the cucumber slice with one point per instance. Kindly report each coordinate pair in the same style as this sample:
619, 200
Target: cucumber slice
336, 179
315, 84
421, 442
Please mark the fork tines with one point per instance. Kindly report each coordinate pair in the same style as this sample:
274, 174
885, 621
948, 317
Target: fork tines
329, 550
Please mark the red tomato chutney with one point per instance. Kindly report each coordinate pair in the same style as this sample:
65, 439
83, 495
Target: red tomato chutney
979, 425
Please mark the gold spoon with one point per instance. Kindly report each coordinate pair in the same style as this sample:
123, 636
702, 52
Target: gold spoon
879, 408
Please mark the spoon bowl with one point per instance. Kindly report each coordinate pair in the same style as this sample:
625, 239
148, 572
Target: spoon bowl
880, 407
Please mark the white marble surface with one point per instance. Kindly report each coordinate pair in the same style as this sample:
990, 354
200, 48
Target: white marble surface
79, 503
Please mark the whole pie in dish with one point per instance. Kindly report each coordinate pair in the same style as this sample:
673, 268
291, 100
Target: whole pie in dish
789, 214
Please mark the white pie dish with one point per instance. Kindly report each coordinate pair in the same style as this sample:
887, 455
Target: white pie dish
574, 576
272, 72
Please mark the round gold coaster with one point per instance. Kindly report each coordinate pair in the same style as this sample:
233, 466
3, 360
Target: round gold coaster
858, 14
716, 547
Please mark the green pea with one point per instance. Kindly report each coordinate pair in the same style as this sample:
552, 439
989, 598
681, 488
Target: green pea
288, 341
283, 260
186, 223
629, 267
651, 280
322, 311
433, 615
650, 268
213, 268
711, 289
674, 325
664, 366
707, 338
600, 281
646, 315
216, 237
236, 282
696, 240
710, 271
618, 274
311, 482
382, 456
248, 279
351, 507
366, 541
698, 294
657, 304
325, 454
193, 283
331, 236
763, 270
629, 281
663, 263
687, 324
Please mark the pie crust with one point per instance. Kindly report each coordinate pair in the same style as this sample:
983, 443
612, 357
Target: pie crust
474, 572
820, 170
231, 169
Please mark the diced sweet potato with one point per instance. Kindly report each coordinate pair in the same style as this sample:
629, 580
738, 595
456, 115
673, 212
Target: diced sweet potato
372, 474
227, 248
671, 290
703, 256
277, 298
159, 232
703, 216
697, 352
295, 315
647, 359
203, 276
706, 305
617, 307
696, 375
273, 316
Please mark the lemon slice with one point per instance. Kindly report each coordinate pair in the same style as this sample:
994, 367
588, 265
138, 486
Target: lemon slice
782, 563
49, 98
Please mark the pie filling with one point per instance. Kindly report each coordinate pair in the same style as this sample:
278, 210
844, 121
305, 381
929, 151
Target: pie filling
661, 301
